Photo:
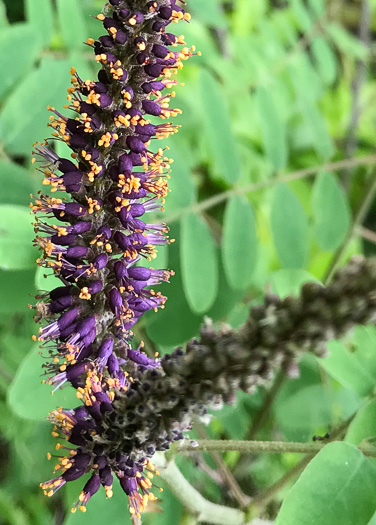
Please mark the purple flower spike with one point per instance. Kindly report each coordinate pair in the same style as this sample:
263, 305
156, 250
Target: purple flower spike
96, 232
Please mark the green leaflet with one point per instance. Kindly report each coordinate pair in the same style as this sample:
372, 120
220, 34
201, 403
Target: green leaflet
199, 265
23, 118
289, 228
217, 124
40, 15
337, 488
331, 212
239, 244
16, 233
72, 23
16, 58
273, 129
28, 398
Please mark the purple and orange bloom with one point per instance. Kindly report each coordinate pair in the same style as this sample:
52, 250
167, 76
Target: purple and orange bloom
101, 246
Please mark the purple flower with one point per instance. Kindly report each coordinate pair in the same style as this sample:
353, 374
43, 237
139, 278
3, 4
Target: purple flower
113, 180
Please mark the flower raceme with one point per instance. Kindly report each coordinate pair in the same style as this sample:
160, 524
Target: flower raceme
100, 239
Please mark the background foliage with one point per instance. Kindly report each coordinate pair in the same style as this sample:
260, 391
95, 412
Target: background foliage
260, 200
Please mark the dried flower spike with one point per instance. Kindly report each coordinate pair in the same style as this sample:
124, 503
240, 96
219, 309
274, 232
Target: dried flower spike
112, 181
159, 405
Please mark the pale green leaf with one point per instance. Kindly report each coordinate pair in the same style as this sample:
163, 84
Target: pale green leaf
17, 57
363, 425
199, 265
289, 281
72, 23
289, 228
31, 399
40, 15
325, 60
337, 488
24, 118
217, 123
346, 42
16, 234
16, 183
273, 129
239, 245
331, 212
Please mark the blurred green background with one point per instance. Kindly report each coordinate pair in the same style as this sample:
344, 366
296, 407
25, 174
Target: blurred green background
261, 199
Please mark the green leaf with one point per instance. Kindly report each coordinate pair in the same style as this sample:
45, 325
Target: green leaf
318, 7
98, 507
217, 124
346, 42
363, 425
211, 16
16, 183
3, 14
239, 245
24, 116
325, 60
302, 14
40, 15
165, 327
316, 127
181, 184
289, 228
289, 281
45, 280
72, 23
16, 233
353, 367
17, 57
337, 488
15, 289
331, 212
273, 129
301, 414
28, 398
199, 265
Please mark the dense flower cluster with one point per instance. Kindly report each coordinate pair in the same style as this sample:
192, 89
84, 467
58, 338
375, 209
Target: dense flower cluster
97, 246
159, 405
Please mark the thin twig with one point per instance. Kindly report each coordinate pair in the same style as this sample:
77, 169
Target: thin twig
294, 175
263, 412
226, 475
366, 234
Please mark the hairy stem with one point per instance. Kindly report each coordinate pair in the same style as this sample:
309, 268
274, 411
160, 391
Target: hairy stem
251, 447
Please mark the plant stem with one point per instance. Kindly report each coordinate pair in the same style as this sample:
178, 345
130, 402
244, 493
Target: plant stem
295, 175
251, 447
204, 510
